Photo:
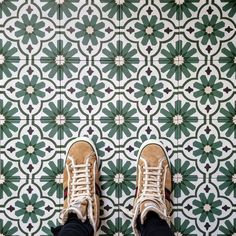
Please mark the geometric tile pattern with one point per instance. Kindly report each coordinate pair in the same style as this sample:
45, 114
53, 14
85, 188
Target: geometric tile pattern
119, 72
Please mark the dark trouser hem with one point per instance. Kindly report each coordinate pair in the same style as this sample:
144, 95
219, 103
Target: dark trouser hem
154, 226
73, 227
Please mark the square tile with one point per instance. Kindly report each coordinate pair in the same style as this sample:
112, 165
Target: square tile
31, 31
148, 93
210, 90
206, 206
187, 110
207, 148
89, 28
91, 91
60, 119
29, 90
29, 152
147, 26
29, 207
60, 59
170, 113
210, 28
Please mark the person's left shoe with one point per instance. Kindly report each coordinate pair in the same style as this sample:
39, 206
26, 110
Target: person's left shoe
80, 183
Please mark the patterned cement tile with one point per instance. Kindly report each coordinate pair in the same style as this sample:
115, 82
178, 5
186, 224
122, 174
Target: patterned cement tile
119, 72
28, 208
209, 90
31, 150
208, 148
206, 206
211, 27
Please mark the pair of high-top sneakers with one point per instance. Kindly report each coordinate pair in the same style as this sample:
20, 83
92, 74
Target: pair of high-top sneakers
81, 183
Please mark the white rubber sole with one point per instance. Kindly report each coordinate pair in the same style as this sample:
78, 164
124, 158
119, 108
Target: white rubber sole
153, 141
84, 139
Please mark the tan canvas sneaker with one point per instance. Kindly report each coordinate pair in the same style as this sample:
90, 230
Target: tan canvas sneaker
80, 182
153, 183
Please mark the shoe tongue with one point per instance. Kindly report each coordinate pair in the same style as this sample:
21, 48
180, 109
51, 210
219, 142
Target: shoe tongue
80, 209
149, 205
83, 207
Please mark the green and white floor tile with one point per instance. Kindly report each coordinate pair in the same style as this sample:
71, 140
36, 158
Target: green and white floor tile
119, 72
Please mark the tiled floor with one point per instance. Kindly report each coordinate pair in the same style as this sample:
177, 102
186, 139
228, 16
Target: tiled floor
119, 72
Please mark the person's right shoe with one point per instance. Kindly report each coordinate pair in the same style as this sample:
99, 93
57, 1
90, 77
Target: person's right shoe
153, 183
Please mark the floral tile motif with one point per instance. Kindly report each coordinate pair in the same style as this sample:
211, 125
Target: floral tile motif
226, 60
227, 227
179, 10
149, 91
206, 207
119, 72
10, 177
7, 227
209, 91
89, 28
30, 25
116, 177
177, 119
29, 207
148, 27
185, 176
212, 29
28, 91
91, 92
30, 152
207, 148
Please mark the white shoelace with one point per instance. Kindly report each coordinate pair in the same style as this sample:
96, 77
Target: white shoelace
79, 188
152, 188
80, 183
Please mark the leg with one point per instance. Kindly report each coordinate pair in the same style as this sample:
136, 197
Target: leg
74, 227
154, 225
